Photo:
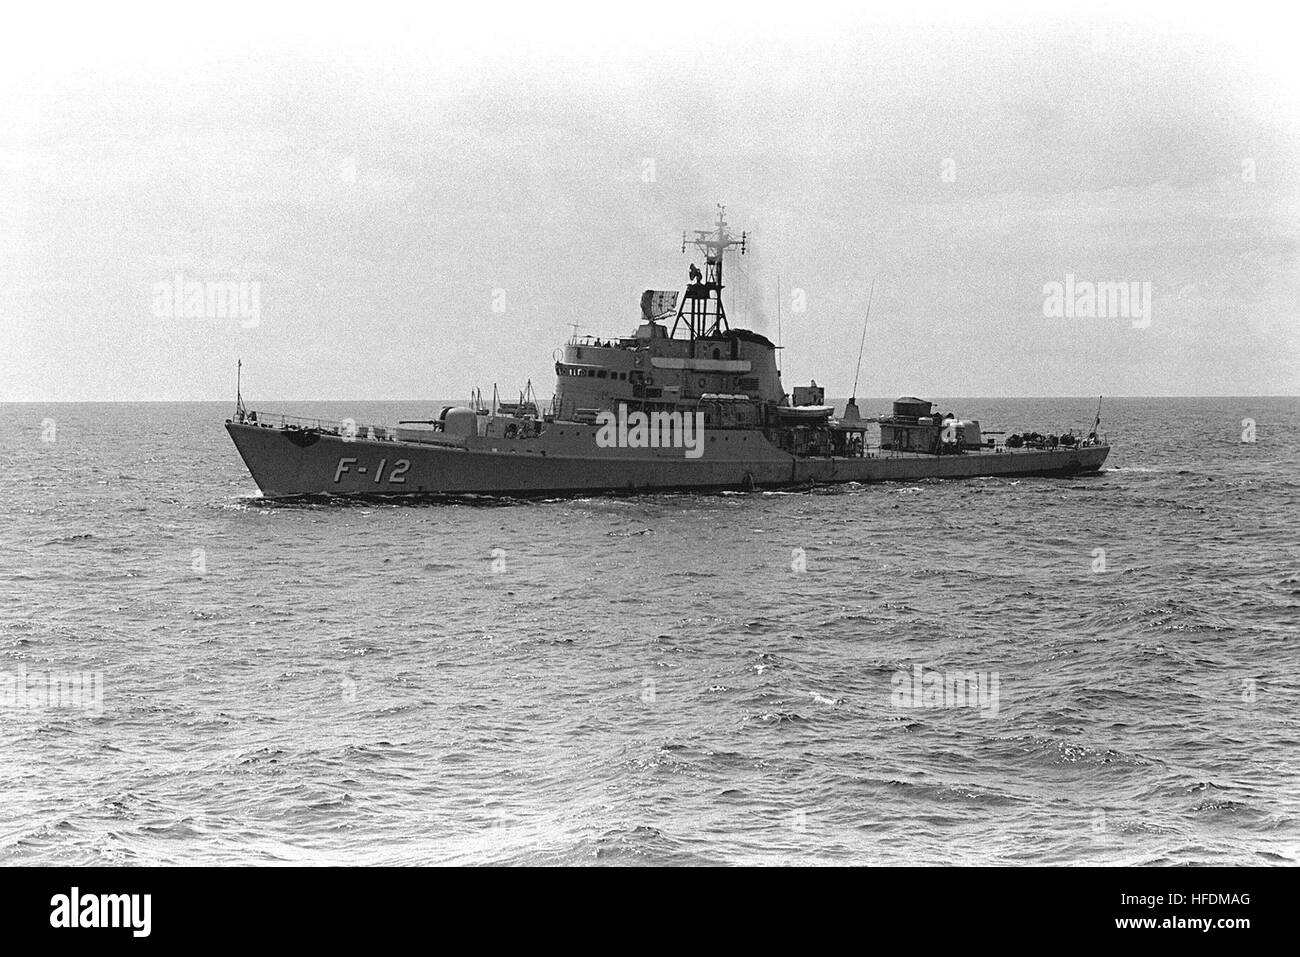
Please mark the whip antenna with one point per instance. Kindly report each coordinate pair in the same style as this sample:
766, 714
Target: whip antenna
871, 295
778, 325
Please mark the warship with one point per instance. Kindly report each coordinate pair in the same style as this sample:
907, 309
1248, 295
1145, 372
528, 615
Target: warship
687, 402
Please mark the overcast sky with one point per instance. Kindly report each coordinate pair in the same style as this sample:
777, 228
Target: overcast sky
423, 204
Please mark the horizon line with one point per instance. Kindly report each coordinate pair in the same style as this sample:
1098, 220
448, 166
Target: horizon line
1213, 395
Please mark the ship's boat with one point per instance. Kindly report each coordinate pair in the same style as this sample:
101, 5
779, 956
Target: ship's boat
686, 401
805, 413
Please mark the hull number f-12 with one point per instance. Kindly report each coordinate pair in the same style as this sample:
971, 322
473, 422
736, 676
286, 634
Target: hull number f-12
396, 476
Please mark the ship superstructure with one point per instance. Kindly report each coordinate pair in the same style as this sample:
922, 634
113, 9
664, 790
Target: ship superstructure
687, 401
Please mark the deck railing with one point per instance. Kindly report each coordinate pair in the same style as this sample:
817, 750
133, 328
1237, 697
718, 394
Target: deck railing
348, 428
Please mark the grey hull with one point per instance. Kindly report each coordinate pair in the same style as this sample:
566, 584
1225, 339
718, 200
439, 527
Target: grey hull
566, 460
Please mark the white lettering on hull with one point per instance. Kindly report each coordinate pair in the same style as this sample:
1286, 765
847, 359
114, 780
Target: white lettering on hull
397, 476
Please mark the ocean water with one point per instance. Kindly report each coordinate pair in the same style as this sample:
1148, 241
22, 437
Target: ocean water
672, 679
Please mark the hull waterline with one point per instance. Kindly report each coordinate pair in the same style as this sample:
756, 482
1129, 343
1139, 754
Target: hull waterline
566, 460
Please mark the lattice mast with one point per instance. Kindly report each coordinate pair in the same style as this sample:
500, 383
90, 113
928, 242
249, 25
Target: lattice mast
701, 311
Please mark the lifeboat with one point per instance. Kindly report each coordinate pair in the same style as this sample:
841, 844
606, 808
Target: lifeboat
804, 413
